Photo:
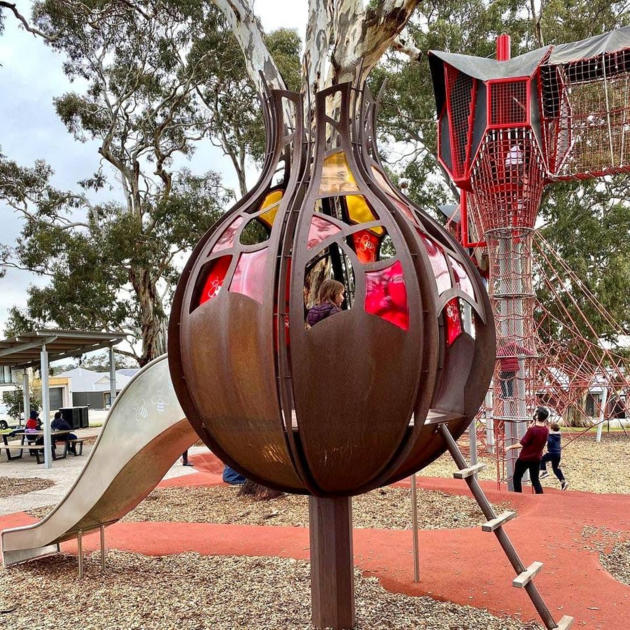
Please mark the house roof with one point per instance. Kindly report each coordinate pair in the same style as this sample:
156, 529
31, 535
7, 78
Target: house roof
83, 380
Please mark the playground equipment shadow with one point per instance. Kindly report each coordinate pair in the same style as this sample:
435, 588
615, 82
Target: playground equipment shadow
465, 566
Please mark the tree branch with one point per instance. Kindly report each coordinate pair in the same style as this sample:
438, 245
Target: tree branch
31, 29
405, 44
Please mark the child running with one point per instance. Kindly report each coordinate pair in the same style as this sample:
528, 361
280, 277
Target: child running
553, 455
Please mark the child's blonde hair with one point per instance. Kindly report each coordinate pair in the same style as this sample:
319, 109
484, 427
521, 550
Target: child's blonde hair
329, 290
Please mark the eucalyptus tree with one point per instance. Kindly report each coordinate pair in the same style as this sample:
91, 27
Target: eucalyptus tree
113, 263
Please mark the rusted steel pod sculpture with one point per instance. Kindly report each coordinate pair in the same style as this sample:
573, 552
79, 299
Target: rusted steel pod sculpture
353, 402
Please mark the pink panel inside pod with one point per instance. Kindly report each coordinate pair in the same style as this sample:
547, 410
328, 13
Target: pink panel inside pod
320, 230
386, 295
227, 238
438, 263
249, 275
461, 277
214, 280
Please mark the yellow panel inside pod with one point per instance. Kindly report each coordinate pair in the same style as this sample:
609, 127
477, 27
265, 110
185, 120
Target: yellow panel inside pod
271, 201
360, 212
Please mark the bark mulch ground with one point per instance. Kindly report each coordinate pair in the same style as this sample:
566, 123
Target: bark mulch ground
386, 508
190, 591
613, 548
10, 486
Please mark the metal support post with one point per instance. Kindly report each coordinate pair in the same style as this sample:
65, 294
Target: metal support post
112, 377
414, 527
27, 396
102, 547
80, 552
45, 407
332, 568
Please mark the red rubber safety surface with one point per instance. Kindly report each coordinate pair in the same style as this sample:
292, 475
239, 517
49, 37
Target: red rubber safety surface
465, 566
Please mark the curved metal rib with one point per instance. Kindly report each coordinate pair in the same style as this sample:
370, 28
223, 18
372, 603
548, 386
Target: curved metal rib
144, 434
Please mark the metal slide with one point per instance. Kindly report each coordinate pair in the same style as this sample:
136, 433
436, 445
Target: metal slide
144, 434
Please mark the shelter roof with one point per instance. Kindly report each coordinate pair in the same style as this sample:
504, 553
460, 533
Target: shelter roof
24, 350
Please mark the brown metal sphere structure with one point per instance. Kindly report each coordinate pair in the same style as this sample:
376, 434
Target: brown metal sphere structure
353, 402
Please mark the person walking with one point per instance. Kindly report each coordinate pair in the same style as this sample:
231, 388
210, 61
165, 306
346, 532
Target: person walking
553, 455
532, 445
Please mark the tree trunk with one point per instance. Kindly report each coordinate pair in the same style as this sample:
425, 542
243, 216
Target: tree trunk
153, 321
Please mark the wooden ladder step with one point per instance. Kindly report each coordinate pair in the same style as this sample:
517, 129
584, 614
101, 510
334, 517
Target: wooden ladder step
497, 522
463, 473
565, 623
523, 579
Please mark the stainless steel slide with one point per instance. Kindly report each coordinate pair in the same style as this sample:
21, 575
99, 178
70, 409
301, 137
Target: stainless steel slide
144, 434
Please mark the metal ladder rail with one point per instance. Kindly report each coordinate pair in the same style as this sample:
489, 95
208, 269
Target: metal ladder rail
468, 473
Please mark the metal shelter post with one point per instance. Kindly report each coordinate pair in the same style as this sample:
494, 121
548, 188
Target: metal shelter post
112, 376
27, 397
45, 406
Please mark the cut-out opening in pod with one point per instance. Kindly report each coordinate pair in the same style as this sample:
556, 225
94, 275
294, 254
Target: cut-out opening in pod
329, 284
459, 317
249, 275
211, 279
372, 245
394, 197
226, 240
270, 205
348, 209
255, 232
461, 277
438, 262
336, 176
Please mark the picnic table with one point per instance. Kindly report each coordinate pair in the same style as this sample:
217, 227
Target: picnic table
27, 442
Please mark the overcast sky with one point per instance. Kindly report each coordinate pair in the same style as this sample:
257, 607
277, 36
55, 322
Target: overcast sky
30, 77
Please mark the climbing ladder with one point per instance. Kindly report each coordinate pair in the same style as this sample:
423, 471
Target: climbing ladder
525, 575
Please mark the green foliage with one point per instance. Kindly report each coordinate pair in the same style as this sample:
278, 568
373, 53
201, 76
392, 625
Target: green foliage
114, 264
14, 400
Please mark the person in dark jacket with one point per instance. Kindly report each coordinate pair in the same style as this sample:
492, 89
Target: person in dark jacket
532, 443
59, 423
553, 455
329, 301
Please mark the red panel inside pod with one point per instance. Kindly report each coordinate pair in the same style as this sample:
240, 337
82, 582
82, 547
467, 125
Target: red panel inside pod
453, 319
214, 280
366, 246
386, 295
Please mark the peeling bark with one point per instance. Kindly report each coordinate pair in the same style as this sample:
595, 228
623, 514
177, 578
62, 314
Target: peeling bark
344, 39
249, 34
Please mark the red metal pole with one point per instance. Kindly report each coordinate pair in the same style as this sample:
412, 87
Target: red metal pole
504, 47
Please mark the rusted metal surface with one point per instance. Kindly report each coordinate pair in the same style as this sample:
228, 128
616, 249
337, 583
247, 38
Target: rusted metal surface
352, 402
